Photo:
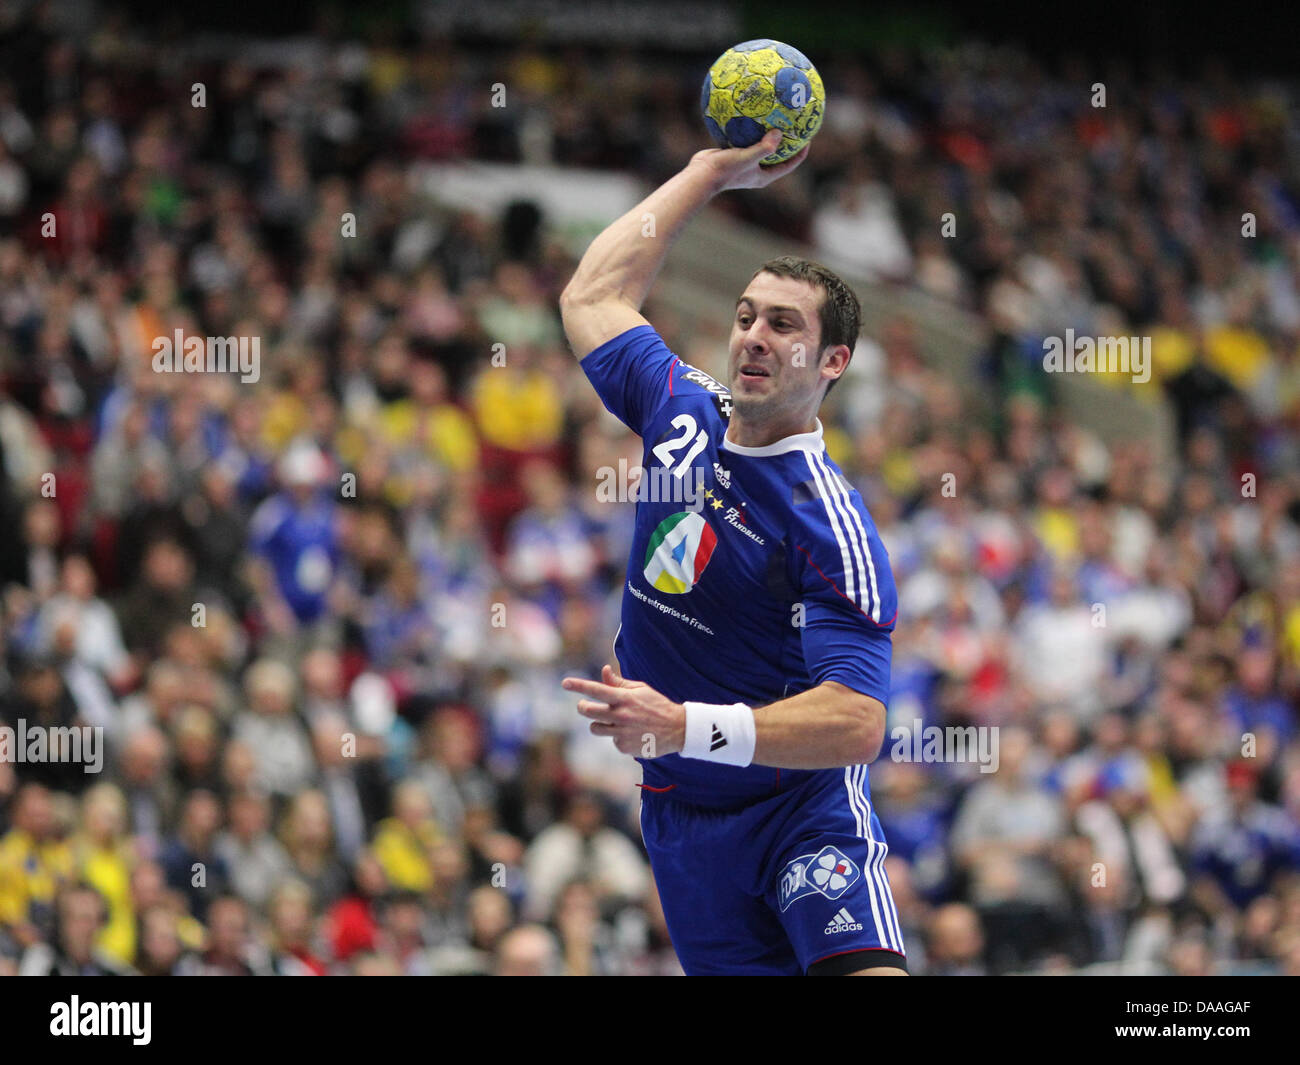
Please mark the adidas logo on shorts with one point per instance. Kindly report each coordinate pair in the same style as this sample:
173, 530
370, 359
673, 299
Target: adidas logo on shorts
841, 922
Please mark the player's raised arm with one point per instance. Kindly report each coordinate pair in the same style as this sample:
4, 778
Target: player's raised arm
605, 294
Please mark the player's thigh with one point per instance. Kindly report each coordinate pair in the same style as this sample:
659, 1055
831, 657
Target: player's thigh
830, 890
716, 927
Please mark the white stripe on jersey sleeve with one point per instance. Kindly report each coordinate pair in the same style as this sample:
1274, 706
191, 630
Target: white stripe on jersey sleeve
852, 538
857, 538
835, 527
842, 504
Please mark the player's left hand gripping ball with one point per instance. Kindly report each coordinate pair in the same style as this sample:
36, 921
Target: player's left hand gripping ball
761, 85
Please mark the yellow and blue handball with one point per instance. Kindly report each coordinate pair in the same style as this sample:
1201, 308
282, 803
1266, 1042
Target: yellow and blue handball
758, 86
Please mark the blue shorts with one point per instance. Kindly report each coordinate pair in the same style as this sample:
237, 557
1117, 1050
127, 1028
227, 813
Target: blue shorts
776, 887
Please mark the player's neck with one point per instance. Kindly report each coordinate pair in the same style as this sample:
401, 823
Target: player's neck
763, 433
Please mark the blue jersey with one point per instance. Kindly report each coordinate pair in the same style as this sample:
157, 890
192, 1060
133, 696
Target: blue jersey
301, 546
755, 573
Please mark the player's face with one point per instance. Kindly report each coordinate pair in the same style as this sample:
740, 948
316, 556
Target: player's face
774, 351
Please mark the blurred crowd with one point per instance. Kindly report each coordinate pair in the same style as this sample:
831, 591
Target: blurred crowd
321, 617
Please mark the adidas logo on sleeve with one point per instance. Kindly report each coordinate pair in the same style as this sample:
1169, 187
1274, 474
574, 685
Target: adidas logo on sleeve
842, 922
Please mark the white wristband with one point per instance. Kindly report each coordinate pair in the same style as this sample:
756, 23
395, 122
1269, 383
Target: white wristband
720, 733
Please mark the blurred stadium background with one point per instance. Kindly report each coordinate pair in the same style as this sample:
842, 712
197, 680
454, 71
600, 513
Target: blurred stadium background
473, 826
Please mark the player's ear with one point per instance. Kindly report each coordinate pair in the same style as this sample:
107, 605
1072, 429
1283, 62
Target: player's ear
837, 358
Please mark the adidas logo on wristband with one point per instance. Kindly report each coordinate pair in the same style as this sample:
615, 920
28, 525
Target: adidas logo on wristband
720, 733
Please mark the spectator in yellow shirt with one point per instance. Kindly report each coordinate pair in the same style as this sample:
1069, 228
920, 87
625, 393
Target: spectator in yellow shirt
517, 404
404, 842
427, 424
104, 860
1054, 518
1235, 349
34, 864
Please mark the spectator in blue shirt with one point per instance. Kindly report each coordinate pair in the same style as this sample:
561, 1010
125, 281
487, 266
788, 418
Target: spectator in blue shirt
295, 533
1238, 853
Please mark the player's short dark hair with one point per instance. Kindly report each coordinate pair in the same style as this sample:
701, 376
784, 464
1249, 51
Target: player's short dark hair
840, 312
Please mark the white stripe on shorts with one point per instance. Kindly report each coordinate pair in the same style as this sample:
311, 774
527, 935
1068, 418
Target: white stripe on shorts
878, 869
854, 790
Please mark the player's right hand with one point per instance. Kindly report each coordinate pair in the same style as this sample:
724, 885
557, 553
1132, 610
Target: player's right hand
637, 718
738, 168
